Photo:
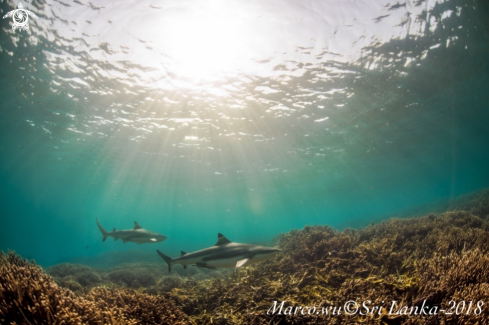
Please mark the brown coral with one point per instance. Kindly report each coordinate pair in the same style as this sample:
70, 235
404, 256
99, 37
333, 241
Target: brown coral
454, 279
29, 296
146, 309
323, 267
77, 278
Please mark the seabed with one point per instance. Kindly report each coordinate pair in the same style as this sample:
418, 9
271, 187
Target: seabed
436, 260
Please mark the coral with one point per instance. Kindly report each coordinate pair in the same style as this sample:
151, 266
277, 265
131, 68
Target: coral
29, 296
132, 278
151, 310
323, 267
70, 282
167, 283
74, 276
457, 277
67, 269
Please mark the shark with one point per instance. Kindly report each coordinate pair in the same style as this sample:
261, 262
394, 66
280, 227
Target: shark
224, 253
135, 235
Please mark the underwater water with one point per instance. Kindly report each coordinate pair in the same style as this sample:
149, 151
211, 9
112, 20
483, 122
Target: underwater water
246, 118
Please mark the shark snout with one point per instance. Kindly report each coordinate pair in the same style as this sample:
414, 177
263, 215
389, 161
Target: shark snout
160, 238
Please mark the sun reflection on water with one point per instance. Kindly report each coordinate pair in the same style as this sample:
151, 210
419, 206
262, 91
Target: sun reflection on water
259, 86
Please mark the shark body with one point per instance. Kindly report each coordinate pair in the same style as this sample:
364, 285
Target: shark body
135, 235
224, 254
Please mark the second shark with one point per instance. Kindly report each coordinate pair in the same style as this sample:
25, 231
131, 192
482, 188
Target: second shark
135, 235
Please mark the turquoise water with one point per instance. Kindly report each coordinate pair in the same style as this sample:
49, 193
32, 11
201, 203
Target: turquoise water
247, 118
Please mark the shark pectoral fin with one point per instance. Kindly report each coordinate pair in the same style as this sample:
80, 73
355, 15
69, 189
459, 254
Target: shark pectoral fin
242, 262
204, 265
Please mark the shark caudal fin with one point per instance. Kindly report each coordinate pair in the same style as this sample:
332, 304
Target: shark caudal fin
102, 230
167, 259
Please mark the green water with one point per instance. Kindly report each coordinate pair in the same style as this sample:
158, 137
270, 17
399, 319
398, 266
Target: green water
245, 118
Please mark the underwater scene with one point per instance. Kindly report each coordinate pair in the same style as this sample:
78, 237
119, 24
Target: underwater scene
244, 162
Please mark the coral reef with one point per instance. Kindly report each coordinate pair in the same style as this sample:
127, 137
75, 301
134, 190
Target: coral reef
132, 278
434, 260
149, 277
168, 283
29, 296
456, 277
144, 308
396, 260
76, 277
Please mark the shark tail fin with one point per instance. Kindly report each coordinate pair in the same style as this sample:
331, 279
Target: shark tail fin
167, 259
104, 232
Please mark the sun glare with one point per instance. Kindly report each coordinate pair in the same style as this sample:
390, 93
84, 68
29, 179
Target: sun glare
205, 42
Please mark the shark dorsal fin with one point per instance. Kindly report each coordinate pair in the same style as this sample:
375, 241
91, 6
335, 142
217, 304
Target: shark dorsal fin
221, 240
183, 253
137, 226
114, 230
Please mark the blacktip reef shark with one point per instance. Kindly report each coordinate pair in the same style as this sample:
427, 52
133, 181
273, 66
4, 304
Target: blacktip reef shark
135, 235
224, 254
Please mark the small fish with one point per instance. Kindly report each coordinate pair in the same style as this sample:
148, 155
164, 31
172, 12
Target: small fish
224, 254
135, 235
